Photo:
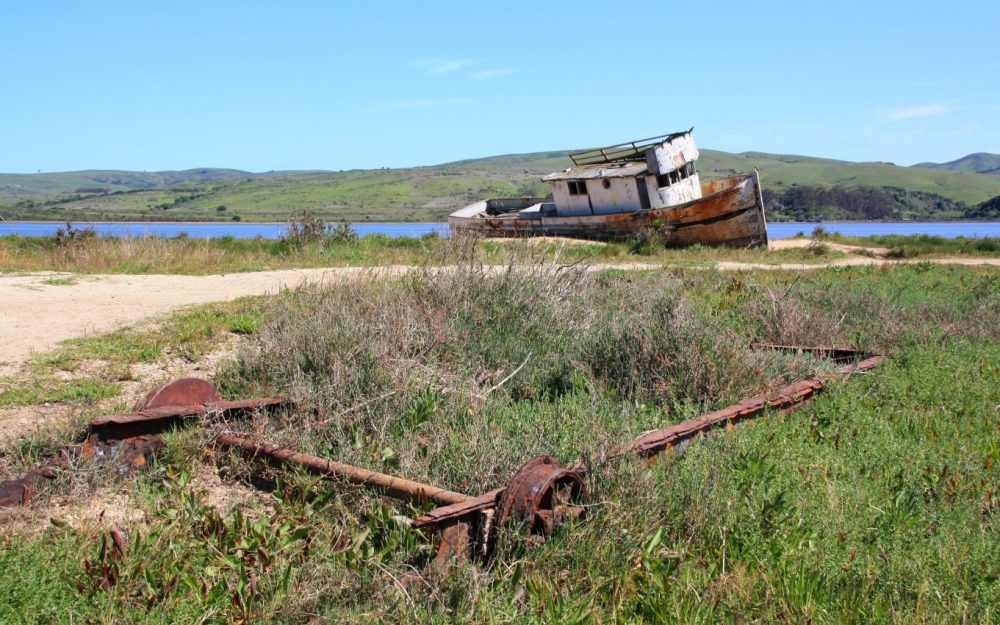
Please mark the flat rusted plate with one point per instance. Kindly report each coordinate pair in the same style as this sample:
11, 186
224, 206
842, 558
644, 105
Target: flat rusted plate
160, 419
445, 514
455, 540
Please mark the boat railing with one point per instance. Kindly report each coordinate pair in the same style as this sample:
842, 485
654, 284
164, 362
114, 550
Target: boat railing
629, 151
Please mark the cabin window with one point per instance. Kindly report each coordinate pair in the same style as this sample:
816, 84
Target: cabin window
686, 171
577, 187
606, 183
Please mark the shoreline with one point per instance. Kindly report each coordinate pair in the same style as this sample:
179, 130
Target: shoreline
444, 223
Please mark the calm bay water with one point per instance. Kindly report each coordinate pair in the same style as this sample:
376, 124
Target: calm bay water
275, 230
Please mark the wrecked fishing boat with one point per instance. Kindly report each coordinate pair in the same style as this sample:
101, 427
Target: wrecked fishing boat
626, 190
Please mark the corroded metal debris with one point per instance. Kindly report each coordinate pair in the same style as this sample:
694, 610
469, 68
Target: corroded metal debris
541, 495
121, 456
167, 406
786, 399
124, 443
393, 486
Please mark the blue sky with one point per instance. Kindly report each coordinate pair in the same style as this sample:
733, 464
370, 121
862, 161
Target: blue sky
339, 85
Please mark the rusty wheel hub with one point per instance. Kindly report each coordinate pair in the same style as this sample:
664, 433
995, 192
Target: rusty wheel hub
542, 494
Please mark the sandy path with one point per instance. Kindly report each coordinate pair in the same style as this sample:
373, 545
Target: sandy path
35, 316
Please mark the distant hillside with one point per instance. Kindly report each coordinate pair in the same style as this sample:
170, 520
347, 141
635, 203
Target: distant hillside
108, 180
978, 163
797, 187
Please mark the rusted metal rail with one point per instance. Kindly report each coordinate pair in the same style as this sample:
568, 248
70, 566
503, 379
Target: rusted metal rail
397, 487
786, 398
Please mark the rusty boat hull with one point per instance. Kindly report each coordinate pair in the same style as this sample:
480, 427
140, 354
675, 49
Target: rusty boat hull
730, 213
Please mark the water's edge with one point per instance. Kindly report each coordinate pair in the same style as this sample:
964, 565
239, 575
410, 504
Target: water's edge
271, 230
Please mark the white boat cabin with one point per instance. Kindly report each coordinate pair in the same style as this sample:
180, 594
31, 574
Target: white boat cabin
649, 173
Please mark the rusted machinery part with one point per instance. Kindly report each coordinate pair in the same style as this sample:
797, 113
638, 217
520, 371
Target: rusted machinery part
541, 494
440, 517
836, 354
787, 398
454, 542
392, 486
169, 404
127, 441
18, 491
123, 456
161, 419
180, 392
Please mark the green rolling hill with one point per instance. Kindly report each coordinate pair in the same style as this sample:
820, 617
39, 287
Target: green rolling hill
978, 163
795, 186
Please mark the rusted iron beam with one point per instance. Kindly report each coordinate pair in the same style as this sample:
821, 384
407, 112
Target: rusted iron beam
160, 419
445, 514
786, 398
391, 485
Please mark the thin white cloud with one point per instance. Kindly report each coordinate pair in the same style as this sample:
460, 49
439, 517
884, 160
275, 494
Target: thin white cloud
495, 72
442, 66
916, 112
428, 103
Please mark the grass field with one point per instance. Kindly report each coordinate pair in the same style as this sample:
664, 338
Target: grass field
182, 255
879, 502
412, 194
227, 255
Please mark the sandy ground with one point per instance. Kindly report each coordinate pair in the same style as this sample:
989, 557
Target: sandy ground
35, 314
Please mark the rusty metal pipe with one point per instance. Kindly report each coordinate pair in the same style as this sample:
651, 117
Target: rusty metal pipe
393, 486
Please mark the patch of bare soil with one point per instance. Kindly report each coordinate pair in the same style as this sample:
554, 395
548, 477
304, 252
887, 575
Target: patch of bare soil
21, 421
36, 316
799, 243
111, 506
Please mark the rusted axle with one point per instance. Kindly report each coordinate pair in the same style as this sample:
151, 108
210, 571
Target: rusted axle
650, 443
397, 487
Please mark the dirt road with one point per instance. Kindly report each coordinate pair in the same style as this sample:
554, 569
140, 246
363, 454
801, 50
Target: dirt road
39, 310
